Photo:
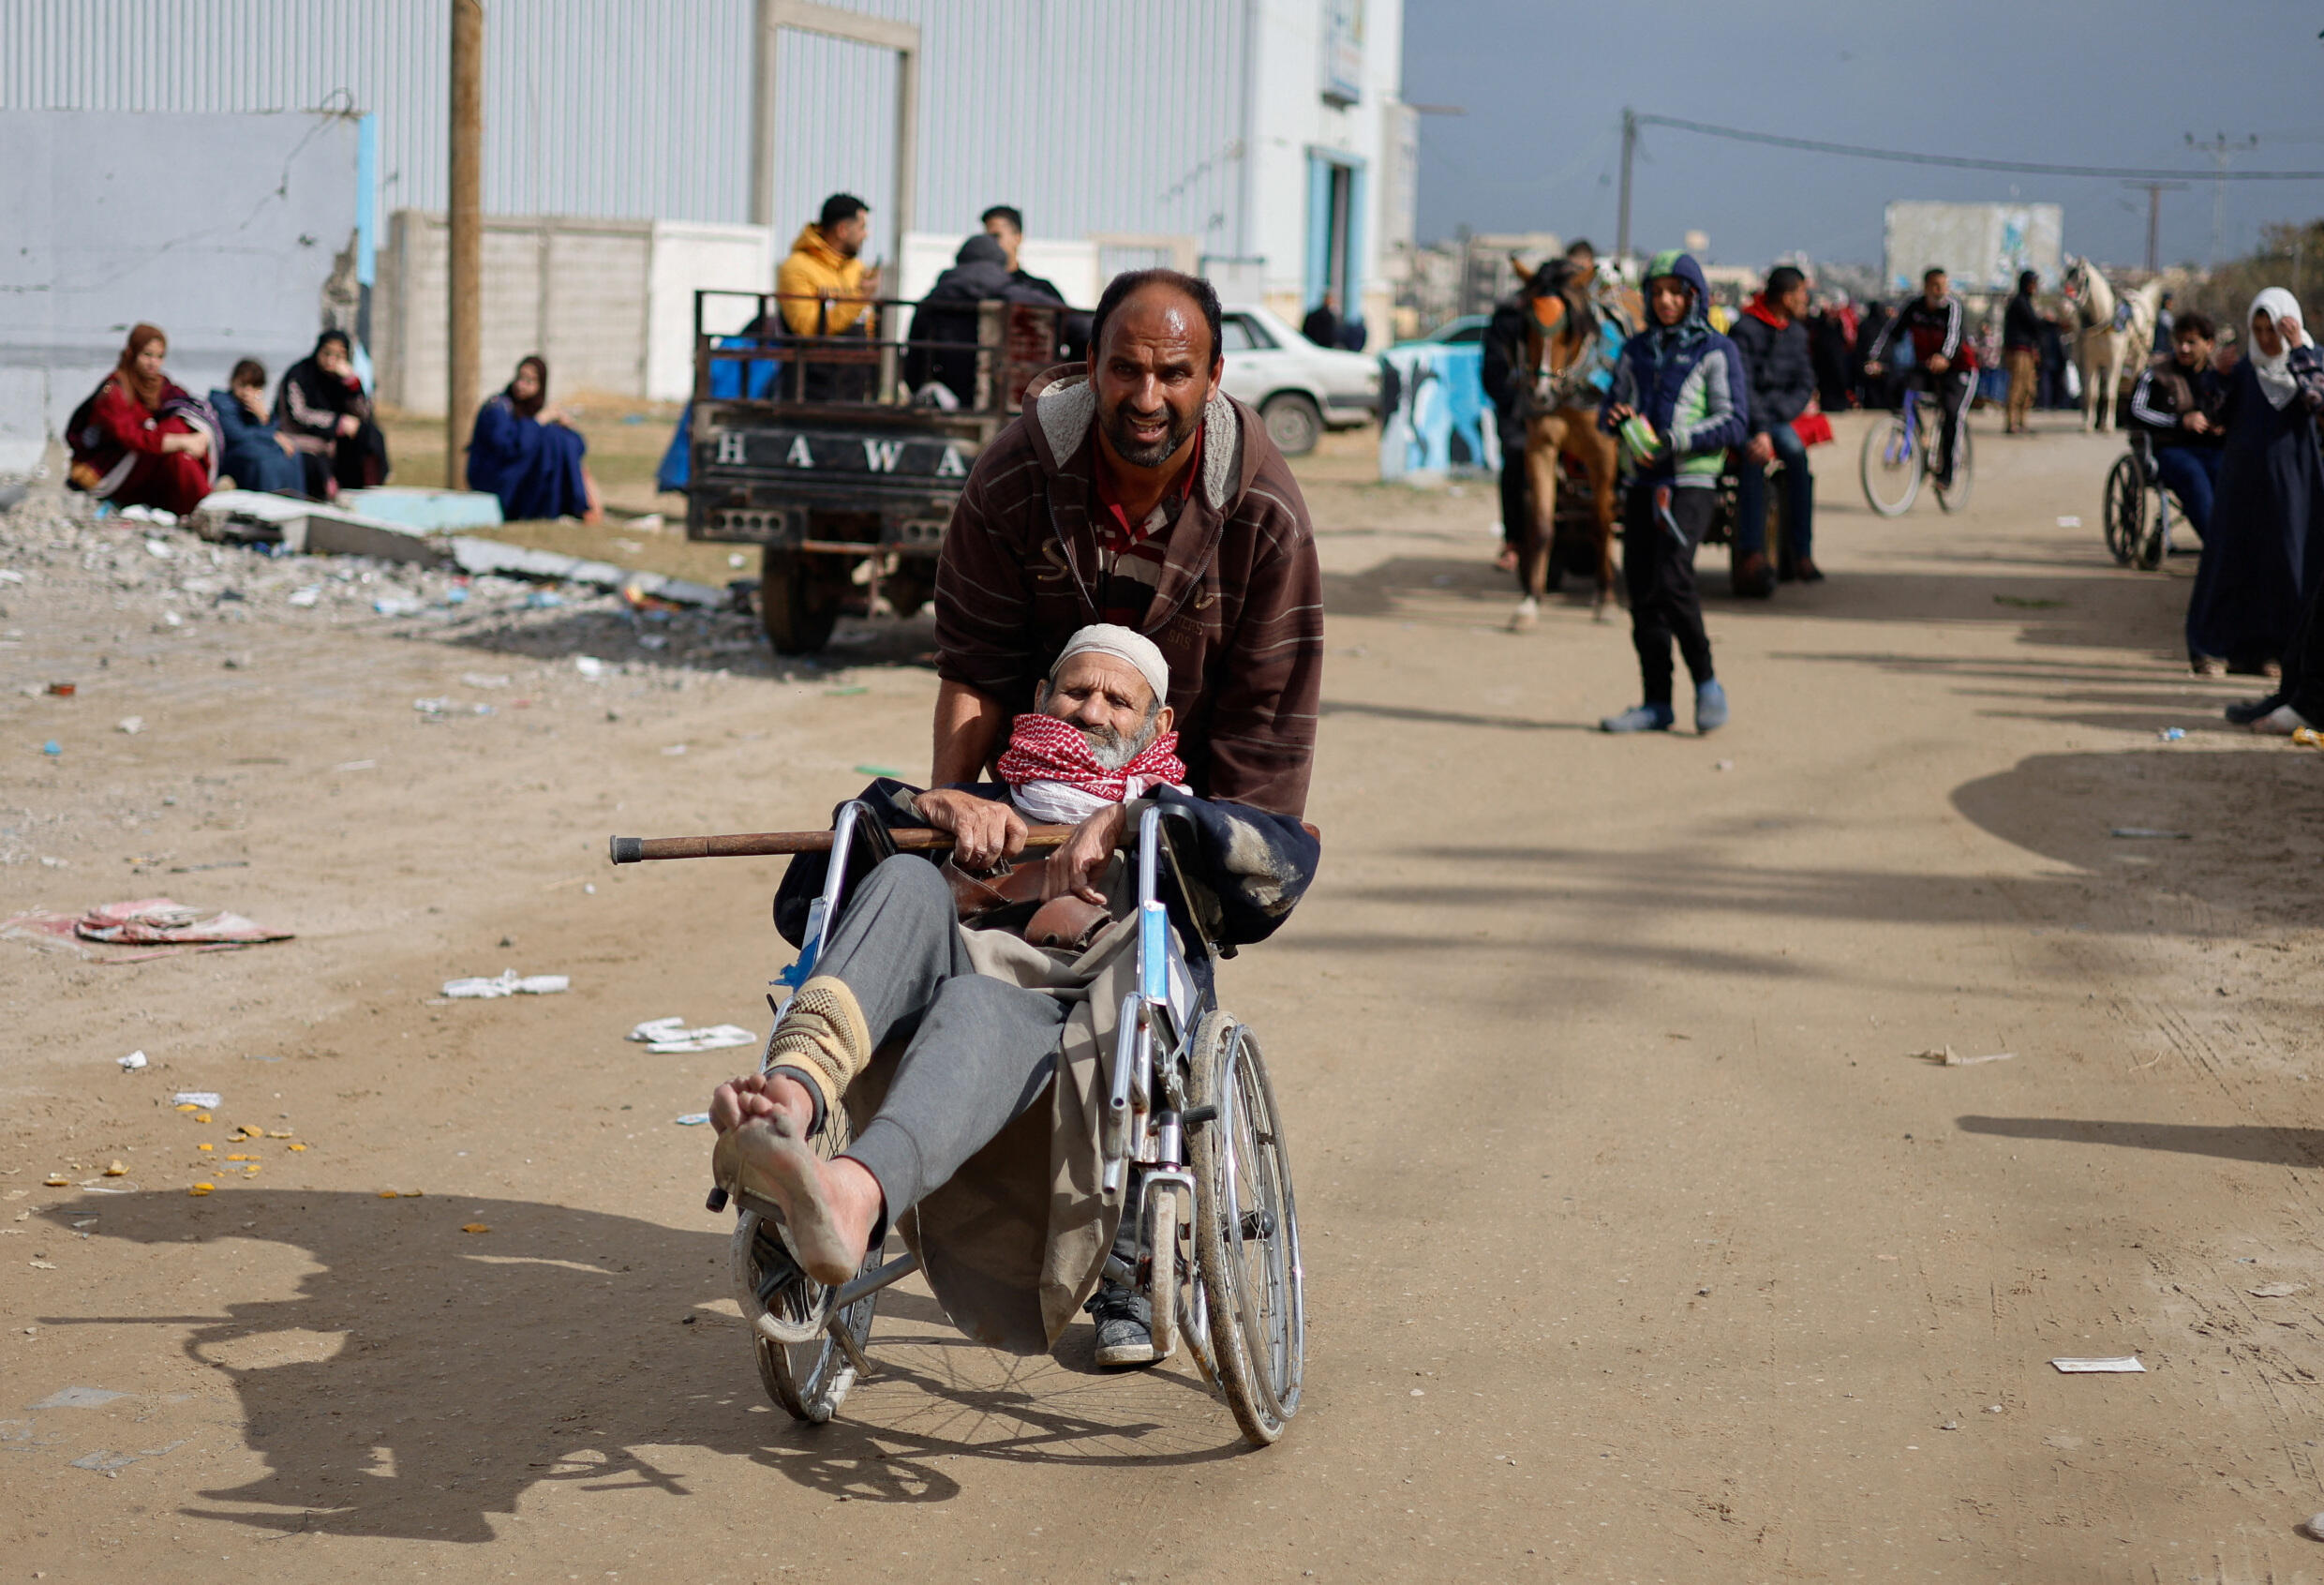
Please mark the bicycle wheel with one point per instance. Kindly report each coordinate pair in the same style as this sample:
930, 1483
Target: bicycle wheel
1954, 496
2124, 509
1890, 467
1247, 1232
810, 1377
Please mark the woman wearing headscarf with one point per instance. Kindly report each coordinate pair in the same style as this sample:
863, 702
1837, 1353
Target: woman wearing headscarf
257, 455
2265, 549
528, 454
141, 440
323, 408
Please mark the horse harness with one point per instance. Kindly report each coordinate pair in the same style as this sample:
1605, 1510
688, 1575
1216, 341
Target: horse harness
1556, 389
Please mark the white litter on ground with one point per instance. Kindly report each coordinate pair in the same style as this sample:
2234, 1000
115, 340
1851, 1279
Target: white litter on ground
135, 1060
2125, 1365
507, 984
672, 1035
208, 1100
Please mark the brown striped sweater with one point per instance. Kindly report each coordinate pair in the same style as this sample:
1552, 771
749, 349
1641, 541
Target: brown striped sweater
1238, 611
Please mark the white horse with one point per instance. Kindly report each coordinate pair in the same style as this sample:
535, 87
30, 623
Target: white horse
2112, 336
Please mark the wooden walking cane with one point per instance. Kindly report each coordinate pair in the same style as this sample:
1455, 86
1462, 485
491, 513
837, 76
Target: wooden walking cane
765, 845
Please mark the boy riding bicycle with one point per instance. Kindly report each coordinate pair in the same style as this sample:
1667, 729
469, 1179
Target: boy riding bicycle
1944, 359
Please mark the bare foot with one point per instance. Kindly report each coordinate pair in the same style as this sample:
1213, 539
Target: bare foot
827, 1207
1506, 560
762, 1096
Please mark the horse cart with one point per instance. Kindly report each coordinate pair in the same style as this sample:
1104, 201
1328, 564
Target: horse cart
1190, 1134
831, 456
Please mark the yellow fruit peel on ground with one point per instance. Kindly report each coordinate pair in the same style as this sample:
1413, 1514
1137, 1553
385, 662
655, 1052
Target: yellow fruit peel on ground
298, 1147
56, 1180
202, 1117
202, 1188
117, 1170
474, 1227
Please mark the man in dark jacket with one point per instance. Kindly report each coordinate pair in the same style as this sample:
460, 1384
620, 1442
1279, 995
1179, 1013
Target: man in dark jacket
1678, 402
1772, 336
2022, 351
1503, 371
1005, 225
2180, 402
1321, 326
1134, 491
943, 346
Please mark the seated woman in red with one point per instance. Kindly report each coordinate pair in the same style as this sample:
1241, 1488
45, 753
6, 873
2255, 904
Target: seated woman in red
141, 440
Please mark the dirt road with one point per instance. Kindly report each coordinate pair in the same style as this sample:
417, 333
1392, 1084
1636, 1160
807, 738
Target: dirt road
1641, 1244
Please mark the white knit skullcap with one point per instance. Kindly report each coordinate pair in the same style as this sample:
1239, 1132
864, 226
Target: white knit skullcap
1111, 639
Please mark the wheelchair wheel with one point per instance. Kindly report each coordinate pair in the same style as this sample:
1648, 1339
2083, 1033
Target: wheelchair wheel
2124, 509
2154, 536
1247, 1232
1890, 469
810, 1376
1955, 497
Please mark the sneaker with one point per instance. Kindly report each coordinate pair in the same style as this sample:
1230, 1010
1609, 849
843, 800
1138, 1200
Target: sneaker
1125, 1328
2281, 722
1640, 718
1710, 706
1754, 578
2245, 711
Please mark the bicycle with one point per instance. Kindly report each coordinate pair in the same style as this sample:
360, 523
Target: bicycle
1902, 451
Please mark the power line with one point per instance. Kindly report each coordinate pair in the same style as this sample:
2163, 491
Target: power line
1959, 162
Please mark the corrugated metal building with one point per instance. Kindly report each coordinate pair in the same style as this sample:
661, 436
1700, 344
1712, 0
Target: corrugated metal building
1266, 131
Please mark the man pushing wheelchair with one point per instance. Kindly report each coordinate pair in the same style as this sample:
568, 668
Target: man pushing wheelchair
1130, 619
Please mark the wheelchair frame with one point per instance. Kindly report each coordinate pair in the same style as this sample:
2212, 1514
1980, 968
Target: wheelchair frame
2135, 537
1189, 1137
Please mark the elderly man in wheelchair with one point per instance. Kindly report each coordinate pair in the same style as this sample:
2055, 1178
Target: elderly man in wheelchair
1021, 1068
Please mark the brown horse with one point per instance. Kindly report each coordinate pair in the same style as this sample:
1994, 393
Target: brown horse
1561, 420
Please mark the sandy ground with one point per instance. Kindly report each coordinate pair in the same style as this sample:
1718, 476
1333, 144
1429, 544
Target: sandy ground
1641, 1244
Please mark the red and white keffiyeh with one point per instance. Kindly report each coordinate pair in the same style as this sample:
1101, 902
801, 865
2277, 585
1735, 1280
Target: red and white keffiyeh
1054, 776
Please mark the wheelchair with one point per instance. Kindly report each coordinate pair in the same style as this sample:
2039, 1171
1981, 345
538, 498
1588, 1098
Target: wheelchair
1190, 1134
2137, 510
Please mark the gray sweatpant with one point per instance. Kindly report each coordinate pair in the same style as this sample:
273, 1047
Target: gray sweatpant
979, 1052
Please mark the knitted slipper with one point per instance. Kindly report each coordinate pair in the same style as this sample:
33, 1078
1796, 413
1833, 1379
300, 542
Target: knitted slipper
765, 1165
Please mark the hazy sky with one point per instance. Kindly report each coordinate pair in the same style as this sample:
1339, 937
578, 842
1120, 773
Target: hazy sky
2113, 82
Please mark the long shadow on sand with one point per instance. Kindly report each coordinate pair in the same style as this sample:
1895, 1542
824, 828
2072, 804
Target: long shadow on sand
2282, 1147
459, 1370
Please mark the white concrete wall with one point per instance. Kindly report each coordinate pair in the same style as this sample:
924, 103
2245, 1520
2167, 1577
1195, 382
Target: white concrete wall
609, 304
103, 229
690, 256
1290, 116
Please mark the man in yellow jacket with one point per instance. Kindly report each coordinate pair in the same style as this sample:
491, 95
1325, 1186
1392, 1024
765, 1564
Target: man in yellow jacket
823, 285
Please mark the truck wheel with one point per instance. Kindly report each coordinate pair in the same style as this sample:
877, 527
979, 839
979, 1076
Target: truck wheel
798, 609
1292, 423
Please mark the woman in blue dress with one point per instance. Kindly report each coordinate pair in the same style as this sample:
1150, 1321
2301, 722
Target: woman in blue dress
528, 454
257, 455
2264, 550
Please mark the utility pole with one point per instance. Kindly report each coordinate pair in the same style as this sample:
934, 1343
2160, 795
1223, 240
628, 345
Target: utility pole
2221, 148
463, 327
1630, 150
2155, 191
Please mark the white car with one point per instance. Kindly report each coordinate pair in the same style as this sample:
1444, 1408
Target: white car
1299, 388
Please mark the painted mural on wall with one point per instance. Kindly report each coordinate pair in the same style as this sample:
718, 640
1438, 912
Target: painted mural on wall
1434, 418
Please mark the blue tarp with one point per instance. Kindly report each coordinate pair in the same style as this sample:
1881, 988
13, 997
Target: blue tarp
726, 380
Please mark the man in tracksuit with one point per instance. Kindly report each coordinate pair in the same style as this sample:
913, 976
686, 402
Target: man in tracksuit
1942, 351
1679, 401
1779, 367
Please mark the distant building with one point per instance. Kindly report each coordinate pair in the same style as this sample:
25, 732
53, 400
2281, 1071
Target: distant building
1470, 274
1264, 145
